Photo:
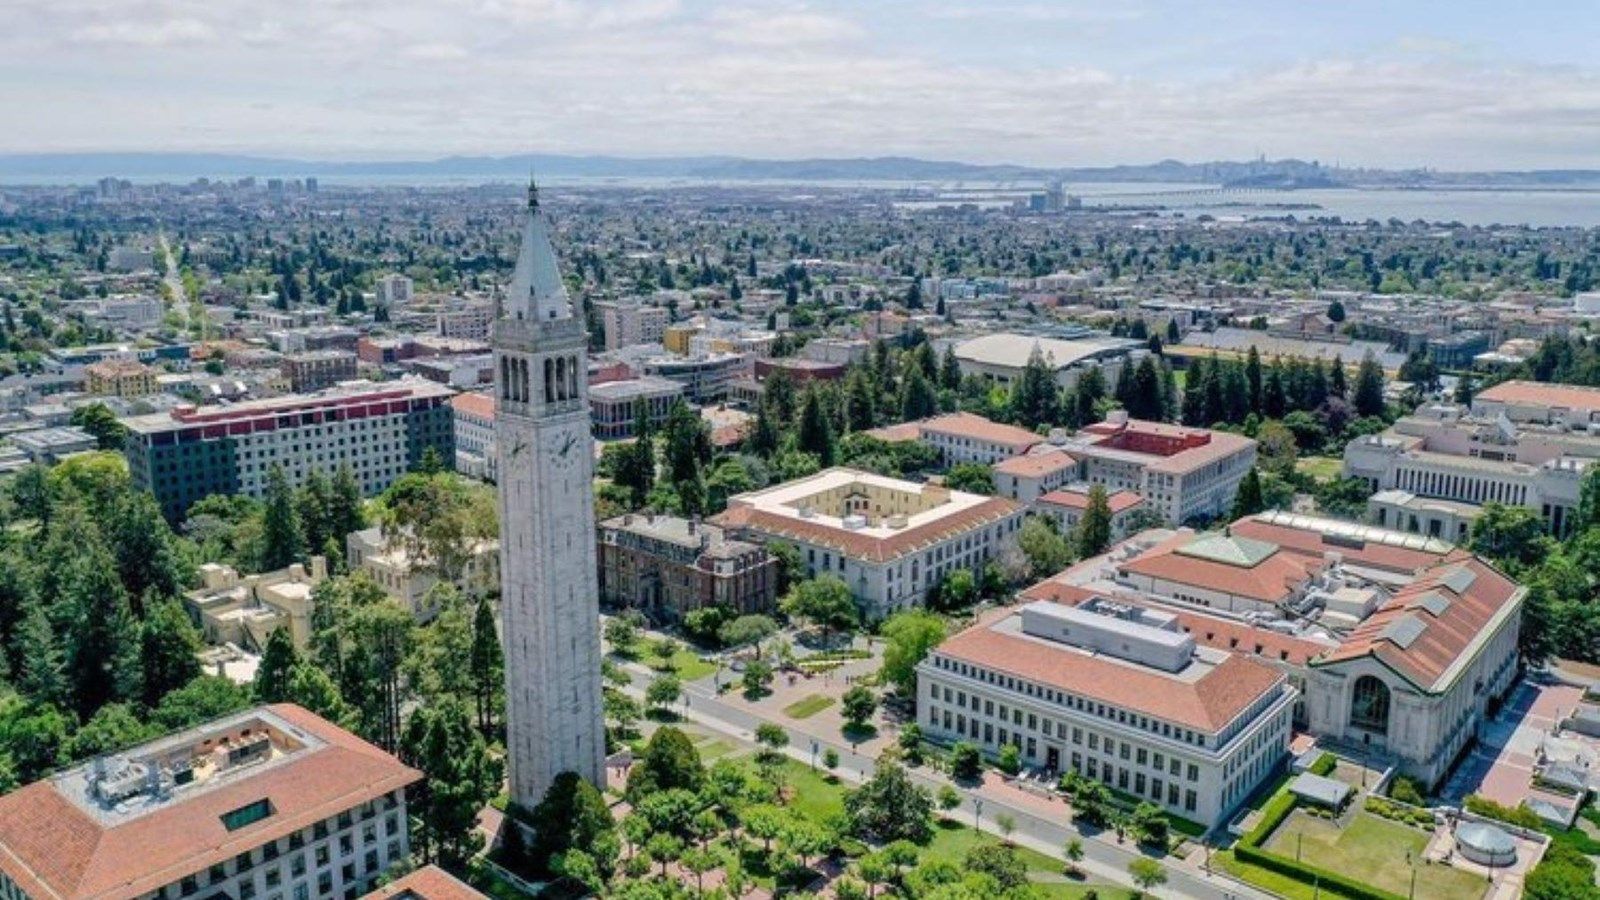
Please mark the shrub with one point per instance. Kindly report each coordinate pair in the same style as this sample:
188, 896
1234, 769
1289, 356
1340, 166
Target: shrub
965, 763
1324, 765
1520, 815
1406, 791
1010, 760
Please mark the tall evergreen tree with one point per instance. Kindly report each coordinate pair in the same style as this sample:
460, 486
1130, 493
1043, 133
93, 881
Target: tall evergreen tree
169, 651
1194, 393
815, 434
1274, 399
1145, 394
917, 397
763, 438
1094, 529
1252, 378
949, 370
1235, 394
102, 646
346, 511
41, 667
1216, 404
147, 556
1124, 388
1368, 399
282, 541
1034, 397
1464, 388
278, 663
1336, 381
487, 664
860, 401
313, 501
1249, 500
459, 776
1089, 390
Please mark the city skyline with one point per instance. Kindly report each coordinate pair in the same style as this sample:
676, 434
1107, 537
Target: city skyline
1042, 84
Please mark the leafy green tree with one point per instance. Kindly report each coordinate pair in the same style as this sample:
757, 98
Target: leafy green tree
102, 423
33, 735
146, 550
114, 727
1046, 549
858, 704
440, 521
204, 698
278, 663
169, 651
663, 692
966, 764
1276, 449
382, 635
459, 777
670, 761
102, 643
890, 807
825, 602
974, 478
908, 638
747, 631
1094, 529
1513, 536
40, 672
573, 815
1147, 873
282, 541
687, 443
1000, 862
311, 688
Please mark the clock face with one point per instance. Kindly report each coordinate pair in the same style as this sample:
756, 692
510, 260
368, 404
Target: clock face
562, 450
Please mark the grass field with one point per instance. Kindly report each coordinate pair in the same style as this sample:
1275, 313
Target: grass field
685, 664
807, 707
1322, 468
1374, 851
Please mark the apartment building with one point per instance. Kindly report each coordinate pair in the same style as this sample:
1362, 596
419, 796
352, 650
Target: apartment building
1182, 473
314, 370
667, 566
1117, 693
394, 290
630, 323
473, 417
272, 802
123, 378
468, 319
380, 431
891, 541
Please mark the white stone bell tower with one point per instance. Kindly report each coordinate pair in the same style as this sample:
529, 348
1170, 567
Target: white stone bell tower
549, 591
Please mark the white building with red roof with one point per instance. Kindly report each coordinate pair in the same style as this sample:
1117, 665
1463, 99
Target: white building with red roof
1115, 692
1182, 473
963, 437
1397, 642
1067, 506
890, 540
269, 802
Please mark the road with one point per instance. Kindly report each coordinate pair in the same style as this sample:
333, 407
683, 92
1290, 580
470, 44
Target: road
1103, 858
174, 281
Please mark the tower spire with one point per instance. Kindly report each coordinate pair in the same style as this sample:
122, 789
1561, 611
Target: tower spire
533, 190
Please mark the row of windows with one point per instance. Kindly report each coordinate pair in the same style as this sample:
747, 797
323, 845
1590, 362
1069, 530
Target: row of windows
1071, 701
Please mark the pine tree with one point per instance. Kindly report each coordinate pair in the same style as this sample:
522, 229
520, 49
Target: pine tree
459, 777
763, 438
346, 512
1089, 390
313, 502
1464, 388
1368, 399
1034, 398
1125, 387
1252, 377
169, 651
949, 370
860, 402
102, 646
1248, 501
1215, 406
1274, 399
487, 664
1094, 529
1336, 381
282, 542
278, 663
1171, 403
1172, 332
1235, 394
917, 397
1194, 393
1145, 397
815, 434
41, 665
147, 558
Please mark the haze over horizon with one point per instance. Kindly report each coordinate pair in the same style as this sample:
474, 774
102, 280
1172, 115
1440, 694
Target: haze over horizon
1050, 84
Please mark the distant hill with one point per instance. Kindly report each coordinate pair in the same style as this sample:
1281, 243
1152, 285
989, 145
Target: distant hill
1282, 174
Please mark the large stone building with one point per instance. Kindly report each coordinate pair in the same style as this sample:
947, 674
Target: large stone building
244, 610
629, 323
1117, 693
1397, 642
963, 437
1432, 471
891, 541
614, 406
394, 566
666, 566
380, 431
272, 802
474, 431
549, 592
1182, 473
123, 378
314, 370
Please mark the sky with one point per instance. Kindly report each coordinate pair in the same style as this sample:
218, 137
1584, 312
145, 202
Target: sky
1465, 84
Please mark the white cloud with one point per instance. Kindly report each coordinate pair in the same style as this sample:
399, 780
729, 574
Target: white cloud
406, 78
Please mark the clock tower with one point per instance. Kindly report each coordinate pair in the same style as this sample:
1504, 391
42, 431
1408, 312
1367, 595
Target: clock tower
549, 598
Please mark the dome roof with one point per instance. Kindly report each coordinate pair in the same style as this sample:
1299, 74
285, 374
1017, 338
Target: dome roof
1485, 843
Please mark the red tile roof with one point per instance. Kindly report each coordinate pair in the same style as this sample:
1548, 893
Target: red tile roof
427, 883
1206, 704
1534, 393
1447, 622
52, 848
474, 404
1034, 465
743, 518
1118, 500
970, 425
1268, 582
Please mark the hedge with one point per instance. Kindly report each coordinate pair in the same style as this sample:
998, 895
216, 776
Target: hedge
1331, 882
1324, 765
1273, 812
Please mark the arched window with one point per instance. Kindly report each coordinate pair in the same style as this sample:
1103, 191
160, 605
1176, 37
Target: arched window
549, 381
505, 378
561, 378
1369, 705
522, 380
572, 377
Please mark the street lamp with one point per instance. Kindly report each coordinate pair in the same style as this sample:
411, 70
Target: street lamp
813, 754
977, 813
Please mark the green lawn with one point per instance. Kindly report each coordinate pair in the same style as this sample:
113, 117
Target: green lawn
1322, 468
807, 707
711, 747
686, 664
1374, 851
